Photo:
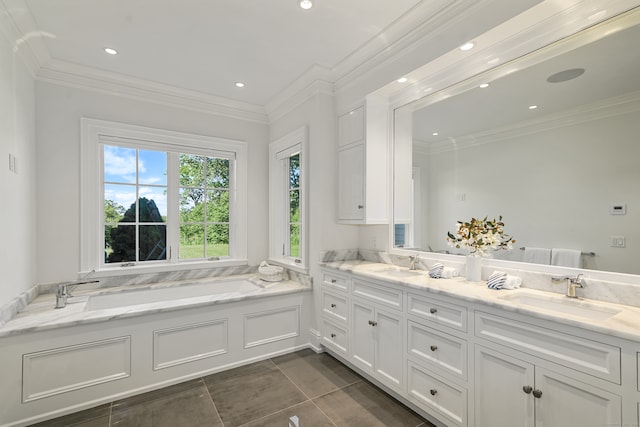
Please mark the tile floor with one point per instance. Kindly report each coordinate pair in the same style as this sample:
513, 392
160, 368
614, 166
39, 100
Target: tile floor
302, 389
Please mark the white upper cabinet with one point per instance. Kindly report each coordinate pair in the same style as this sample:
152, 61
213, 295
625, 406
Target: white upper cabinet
363, 169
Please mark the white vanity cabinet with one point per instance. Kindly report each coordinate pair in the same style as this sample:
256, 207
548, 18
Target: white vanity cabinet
362, 165
334, 294
469, 363
377, 331
512, 392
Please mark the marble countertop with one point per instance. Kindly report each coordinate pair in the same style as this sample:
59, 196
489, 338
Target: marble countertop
620, 320
40, 314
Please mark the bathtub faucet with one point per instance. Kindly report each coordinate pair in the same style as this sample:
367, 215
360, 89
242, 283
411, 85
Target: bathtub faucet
63, 292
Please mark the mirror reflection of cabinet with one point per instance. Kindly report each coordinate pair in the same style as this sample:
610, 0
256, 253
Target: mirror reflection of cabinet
362, 164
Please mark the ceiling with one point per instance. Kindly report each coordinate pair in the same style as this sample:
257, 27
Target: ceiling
209, 45
612, 67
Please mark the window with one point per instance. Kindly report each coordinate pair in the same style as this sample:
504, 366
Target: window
287, 197
155, 198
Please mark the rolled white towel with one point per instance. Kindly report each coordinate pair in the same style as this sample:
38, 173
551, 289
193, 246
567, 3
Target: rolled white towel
502, 280
449, 272
435, 272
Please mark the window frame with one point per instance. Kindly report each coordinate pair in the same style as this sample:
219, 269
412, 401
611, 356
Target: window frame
95, 133
281, 149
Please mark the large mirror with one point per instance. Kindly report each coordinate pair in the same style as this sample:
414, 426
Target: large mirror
553, 148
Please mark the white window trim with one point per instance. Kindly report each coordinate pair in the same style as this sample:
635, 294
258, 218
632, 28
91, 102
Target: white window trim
296, 141
96, 131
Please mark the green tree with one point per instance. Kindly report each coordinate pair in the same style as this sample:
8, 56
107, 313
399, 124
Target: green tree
152, 239
113, 214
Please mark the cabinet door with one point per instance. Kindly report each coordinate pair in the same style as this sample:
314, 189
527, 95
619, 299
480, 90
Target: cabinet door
500, 399
351, 183
351, 127
388, 332
567, 402
362, 336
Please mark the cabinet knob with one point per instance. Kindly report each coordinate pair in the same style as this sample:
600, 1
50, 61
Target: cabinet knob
333, 335
537, 394
333, 306
360, 206
433, 392
333, 280
433, 310
433, 347
527, 389
372, 323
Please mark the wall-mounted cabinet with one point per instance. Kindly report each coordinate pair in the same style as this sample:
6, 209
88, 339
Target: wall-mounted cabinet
363, 167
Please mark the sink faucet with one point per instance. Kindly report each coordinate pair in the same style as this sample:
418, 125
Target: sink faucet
572, 284
63, 293
413, 259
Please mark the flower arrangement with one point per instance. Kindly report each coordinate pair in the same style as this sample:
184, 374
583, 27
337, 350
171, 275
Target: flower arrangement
480, 235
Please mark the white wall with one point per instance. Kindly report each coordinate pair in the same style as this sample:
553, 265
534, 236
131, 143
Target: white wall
59, 109
17, 190
324, 233
554, 189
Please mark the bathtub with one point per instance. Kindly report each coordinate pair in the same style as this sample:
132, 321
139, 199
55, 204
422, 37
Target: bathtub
219, 289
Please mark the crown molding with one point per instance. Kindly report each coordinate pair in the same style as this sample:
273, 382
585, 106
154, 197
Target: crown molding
297, 94
302, 87
611, 107
82, 77
22, 32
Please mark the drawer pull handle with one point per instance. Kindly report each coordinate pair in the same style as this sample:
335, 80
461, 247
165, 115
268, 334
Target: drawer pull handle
333, 306
434, 347
527, 389
333, 280
372, 323
333, 335
433, 392
360, 206
433, 310
537, 394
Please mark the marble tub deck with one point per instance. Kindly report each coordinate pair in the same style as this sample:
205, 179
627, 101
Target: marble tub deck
41, 314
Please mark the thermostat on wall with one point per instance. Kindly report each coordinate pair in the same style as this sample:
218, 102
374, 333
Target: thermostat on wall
618, 209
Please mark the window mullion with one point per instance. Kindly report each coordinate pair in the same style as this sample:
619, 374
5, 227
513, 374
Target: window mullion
173, 206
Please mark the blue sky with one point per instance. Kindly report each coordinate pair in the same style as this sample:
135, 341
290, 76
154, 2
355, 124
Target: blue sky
120, 169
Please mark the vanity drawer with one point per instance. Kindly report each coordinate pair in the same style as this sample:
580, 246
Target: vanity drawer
441, 313
335, 307
383, 295
335, 281
334, 337
437, 395
443, 352
591, 357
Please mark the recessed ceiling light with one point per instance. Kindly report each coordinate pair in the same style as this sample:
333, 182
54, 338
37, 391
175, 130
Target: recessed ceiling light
467, 46
239, 84
435, 134
305, 4
402, 80
532, 107
484, 85
110, 51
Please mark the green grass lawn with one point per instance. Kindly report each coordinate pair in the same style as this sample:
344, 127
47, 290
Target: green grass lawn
197, 251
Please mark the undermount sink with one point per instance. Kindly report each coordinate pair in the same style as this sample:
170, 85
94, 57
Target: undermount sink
561, 305
397, 272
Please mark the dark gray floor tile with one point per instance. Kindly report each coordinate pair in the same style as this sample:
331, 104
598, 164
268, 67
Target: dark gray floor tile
362, 404
305, 414
251, 392
315, 373
94, 417
187, 404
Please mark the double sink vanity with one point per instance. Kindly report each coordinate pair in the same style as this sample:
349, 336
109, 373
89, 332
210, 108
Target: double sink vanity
466, 355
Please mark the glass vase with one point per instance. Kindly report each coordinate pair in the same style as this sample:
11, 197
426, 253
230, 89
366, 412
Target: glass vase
474, 268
